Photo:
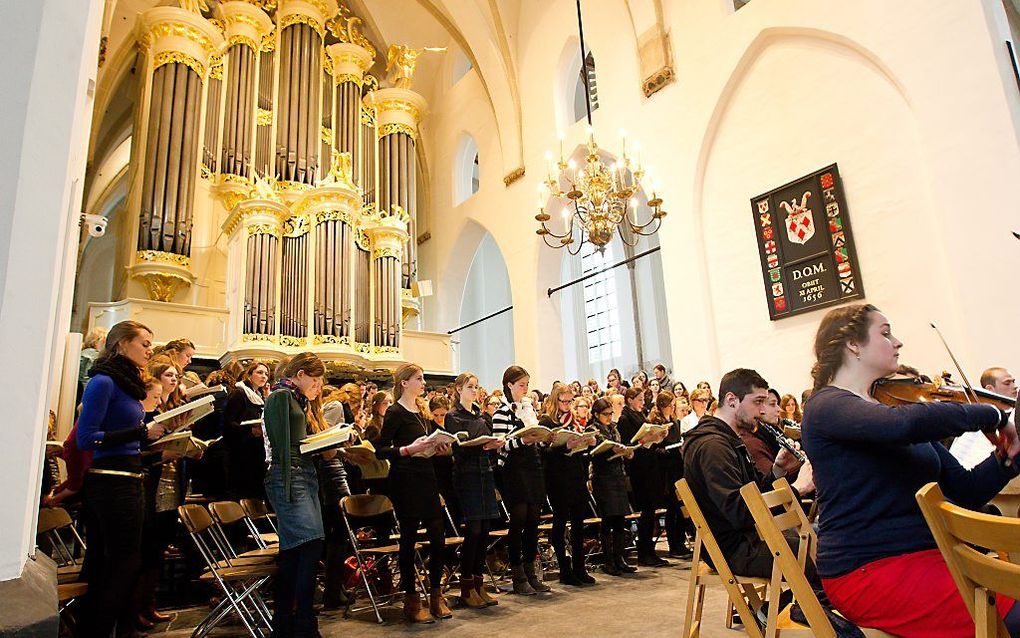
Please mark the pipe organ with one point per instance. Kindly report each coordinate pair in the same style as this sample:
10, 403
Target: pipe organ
266, 114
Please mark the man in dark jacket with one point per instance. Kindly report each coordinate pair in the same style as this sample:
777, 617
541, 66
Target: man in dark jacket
717, 465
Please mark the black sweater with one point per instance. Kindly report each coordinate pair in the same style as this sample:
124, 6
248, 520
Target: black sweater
870, 460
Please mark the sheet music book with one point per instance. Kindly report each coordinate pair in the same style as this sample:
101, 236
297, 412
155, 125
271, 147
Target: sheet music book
970, 448
480, 440
194, 410
327, 439
648, 429
183, 443
532, 429
361, 454
251, 423
623, 450
437, 438
201, 390
604, 446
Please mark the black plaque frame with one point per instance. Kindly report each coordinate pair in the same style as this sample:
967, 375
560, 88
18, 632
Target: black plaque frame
805, 245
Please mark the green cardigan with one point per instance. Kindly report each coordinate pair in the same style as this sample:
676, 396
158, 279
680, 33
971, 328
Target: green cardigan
286, 425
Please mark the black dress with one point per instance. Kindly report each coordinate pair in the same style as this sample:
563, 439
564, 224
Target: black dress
521, 472
645, 471
444, 477
608, 478
566, 477
412, 484
473, 480
246, 453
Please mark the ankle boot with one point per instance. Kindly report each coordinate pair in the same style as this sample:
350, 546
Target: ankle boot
437, 604
532, 574
484, 595
618, 552
468, 596
567, 576
580, 573
413, 612
520, 581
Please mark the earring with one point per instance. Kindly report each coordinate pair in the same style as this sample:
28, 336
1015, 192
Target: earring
858, 355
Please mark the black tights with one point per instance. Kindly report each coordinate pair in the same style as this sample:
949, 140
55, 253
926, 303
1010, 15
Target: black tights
646, 531
575, 515
476, 543
612, 524
522, 534
295, 588
434, 531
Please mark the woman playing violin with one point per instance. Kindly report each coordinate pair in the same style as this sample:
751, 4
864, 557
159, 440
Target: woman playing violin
879, 563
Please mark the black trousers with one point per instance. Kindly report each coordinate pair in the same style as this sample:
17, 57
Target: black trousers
293, 599
434, 531
337, 548
115, 511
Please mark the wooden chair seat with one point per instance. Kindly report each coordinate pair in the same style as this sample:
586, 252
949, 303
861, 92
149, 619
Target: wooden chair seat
632, 517
592, 521
68, 573
268, 553
545, 527
270, 538
452, 541
499, 533
240, 572
386, 549
70, 591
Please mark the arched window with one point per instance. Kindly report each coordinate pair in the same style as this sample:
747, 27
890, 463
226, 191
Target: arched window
589, 68
467, 173
487, 347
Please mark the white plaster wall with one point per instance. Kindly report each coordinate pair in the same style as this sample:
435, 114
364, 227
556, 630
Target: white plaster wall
922, 113
55, 44
487, 348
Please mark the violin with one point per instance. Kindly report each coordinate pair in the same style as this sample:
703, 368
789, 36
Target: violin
909, 390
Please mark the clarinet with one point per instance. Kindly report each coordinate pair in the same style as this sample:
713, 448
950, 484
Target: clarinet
783, 440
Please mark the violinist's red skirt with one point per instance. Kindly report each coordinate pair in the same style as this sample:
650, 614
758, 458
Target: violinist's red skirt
912, 595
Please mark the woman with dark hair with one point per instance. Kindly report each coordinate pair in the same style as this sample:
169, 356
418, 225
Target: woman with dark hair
292, 412
876, 555
110, 426
609, 486
243, 433
646, 478
566, 482
671, 465
414, 490
476, 490
439, 407
522, 479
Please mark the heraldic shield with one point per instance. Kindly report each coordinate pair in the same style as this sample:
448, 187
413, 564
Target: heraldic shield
800, 223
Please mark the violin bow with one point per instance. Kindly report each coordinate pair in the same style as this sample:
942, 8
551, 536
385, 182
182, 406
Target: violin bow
998, 441
969, 393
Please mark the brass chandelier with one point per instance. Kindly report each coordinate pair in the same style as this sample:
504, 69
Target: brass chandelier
597, 199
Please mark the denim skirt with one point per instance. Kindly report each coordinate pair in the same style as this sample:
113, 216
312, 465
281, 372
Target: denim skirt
298, 520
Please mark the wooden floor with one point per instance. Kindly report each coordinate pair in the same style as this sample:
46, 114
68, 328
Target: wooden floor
648, 603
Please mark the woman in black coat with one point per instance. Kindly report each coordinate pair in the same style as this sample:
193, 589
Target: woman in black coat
609, 485
646, 478
475, 486
522, 481
246, 451
414, 490
566, 481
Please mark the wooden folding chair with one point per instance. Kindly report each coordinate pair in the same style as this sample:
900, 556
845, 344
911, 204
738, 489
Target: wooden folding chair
68, 548
369, 506
787, 567
977, 575
239, 583
255, 510
745, 593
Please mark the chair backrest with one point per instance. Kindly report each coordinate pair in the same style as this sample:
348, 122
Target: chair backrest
704, 539
788, 567
365, 505
254, 508
226, 512
53, 518
977, 575
196, 518
56, 526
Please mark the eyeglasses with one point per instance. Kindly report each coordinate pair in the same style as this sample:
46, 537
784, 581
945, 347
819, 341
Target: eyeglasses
563, 400
699, 400
606, 413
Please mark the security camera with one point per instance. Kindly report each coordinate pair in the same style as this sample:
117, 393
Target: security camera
94, 224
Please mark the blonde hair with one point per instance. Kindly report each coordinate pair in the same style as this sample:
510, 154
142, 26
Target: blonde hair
312, 366
93, 338
404, 373
551, 406
462, 380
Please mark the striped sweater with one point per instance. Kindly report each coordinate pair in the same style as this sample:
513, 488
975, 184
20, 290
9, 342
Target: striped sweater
504, 422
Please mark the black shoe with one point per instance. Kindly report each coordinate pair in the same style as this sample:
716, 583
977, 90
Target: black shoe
681, 554
567, 577
652, 561
582, 574
609, 567
624, 566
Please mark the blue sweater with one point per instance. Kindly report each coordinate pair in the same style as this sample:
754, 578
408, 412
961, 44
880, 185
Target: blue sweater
870, 460
108, 411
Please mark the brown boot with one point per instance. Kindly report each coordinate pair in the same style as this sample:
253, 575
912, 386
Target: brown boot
468, 596
437, 604
413, 611
482, 594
